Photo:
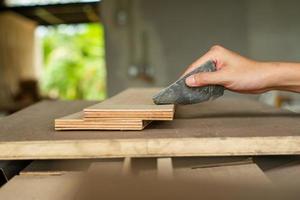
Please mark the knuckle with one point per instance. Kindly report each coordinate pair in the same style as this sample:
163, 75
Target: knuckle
217, 48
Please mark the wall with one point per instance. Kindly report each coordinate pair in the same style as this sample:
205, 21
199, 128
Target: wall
273, 34
16, 53
274, 29
177, 32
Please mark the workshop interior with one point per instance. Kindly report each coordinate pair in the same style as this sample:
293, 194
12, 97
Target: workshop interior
60, 59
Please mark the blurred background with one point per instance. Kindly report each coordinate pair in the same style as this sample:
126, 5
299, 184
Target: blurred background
91, 49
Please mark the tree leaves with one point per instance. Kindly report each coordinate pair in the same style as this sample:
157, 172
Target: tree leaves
74, 63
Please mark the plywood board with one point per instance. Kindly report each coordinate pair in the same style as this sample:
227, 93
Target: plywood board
105, 177
242, 174
164, 168
210, 162
220, 128
76, 122
229, 170
169, 182
55, 167
133, 103
286, 175
58, 187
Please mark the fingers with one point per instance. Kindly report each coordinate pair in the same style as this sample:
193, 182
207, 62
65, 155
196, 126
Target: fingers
205, 78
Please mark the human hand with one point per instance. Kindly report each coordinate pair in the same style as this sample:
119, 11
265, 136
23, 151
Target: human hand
234, 72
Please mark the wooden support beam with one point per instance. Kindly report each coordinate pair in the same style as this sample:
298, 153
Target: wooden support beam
164, 168
48, 17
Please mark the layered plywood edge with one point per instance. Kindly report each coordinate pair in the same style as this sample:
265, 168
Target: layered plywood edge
77, 122
135, 103
132, 109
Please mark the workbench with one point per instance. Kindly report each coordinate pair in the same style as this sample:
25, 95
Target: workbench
220, 128
242, 138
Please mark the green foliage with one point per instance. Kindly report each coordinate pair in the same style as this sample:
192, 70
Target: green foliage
74, 62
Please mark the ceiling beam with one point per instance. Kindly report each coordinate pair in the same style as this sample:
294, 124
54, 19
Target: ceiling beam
51, 14
48, 16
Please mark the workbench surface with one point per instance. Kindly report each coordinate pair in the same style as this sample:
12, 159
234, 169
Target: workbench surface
221, 127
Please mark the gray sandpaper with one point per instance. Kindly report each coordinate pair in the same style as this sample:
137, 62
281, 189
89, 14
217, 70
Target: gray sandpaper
180, 93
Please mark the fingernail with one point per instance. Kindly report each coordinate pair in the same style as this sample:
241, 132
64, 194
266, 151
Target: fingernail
190, 81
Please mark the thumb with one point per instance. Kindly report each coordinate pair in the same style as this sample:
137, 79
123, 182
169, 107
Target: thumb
204, 78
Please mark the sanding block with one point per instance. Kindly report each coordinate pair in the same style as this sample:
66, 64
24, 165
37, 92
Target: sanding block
180, 93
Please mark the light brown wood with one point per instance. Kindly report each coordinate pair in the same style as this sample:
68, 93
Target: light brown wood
133, 103
145, 168
55, 167
58, 187
210, 162
108, 167
108, 176
76, 122
242, 174
165, 168
171, 182
286, 175
17, 44
128, 110
105, 179
222, 127
229, 170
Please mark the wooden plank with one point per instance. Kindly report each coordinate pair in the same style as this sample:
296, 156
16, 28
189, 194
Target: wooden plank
133, 103
237, 174
59, 187
230, 170
210, 162
145, 168
176, 181
77, 118
107, 181
116, 186
164, 168
126, 111
286, 175
55, 167
127, 166
222, 127
76, 122
107, 167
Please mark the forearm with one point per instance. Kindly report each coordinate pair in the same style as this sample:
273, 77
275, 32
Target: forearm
283, 76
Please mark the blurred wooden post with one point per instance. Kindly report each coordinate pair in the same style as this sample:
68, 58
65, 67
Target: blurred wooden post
16, 53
